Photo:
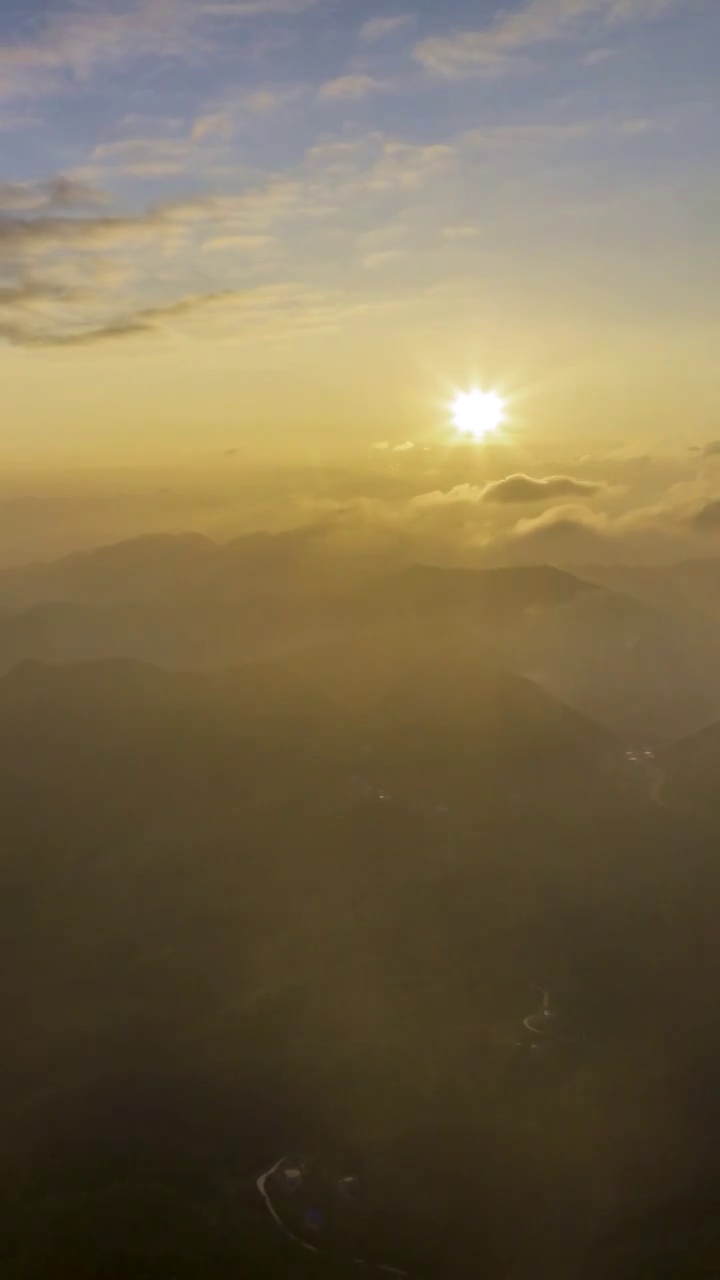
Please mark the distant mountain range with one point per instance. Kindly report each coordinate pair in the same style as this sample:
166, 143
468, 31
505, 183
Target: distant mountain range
633, 649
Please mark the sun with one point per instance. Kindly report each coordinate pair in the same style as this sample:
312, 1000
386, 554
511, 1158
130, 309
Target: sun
477, 413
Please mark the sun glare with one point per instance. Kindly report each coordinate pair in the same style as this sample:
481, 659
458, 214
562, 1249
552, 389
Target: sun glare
478, 413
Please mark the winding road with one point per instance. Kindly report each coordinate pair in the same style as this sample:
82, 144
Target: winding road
262, 1186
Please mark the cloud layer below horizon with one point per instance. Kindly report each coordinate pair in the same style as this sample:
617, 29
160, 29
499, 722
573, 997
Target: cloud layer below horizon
445, 505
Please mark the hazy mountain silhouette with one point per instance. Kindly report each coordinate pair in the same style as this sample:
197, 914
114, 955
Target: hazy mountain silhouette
166, 570
642, 672
688, 586
495, 595
641, 662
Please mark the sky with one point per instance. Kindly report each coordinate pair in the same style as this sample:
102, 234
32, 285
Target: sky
286, 229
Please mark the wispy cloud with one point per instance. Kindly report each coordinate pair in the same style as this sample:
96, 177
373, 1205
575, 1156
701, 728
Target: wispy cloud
81, 41
393, 164
179, 146
385, 446
243, 244
596, 57
53, 195
98, 272
514, 33
381, 258
213, 124
46, 234
143, 157
349, 88
380, 28
265, 313
236, 110
532, 135
377, 163
461, 233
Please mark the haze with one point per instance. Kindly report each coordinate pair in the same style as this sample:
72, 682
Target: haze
359, 636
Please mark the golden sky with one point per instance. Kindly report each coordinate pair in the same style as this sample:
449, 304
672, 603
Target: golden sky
297, 227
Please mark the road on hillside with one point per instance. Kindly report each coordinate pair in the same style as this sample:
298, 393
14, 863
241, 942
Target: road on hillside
264, 1185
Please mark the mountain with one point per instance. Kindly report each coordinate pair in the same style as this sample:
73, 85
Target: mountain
246, 910
642, 664
187, 603
439, 715
188, 568
496, 595
685, 587
140, 570
182, 569
693, 777
646, 674
271, 904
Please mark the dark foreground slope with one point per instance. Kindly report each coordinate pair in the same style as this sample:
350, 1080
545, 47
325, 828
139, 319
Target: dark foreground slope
693, 778
243, 913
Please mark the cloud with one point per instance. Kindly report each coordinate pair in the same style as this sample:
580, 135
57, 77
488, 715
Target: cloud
385, 446
380, 28
30, 328
264, 313
596, 57
24, 298
253, 8
670, 528
381, 258
82, 41
246, 244
536, 133
459, 495
144, 157
44, 234
711, 450
55, 194
38, 233
522, 488
402, 164
460, 233
262, 102
707, 519
228, 115
573, 535
100, 254
504, 43
131, 150
349, 88
364, 166
252, 210
565, 534
217, 124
